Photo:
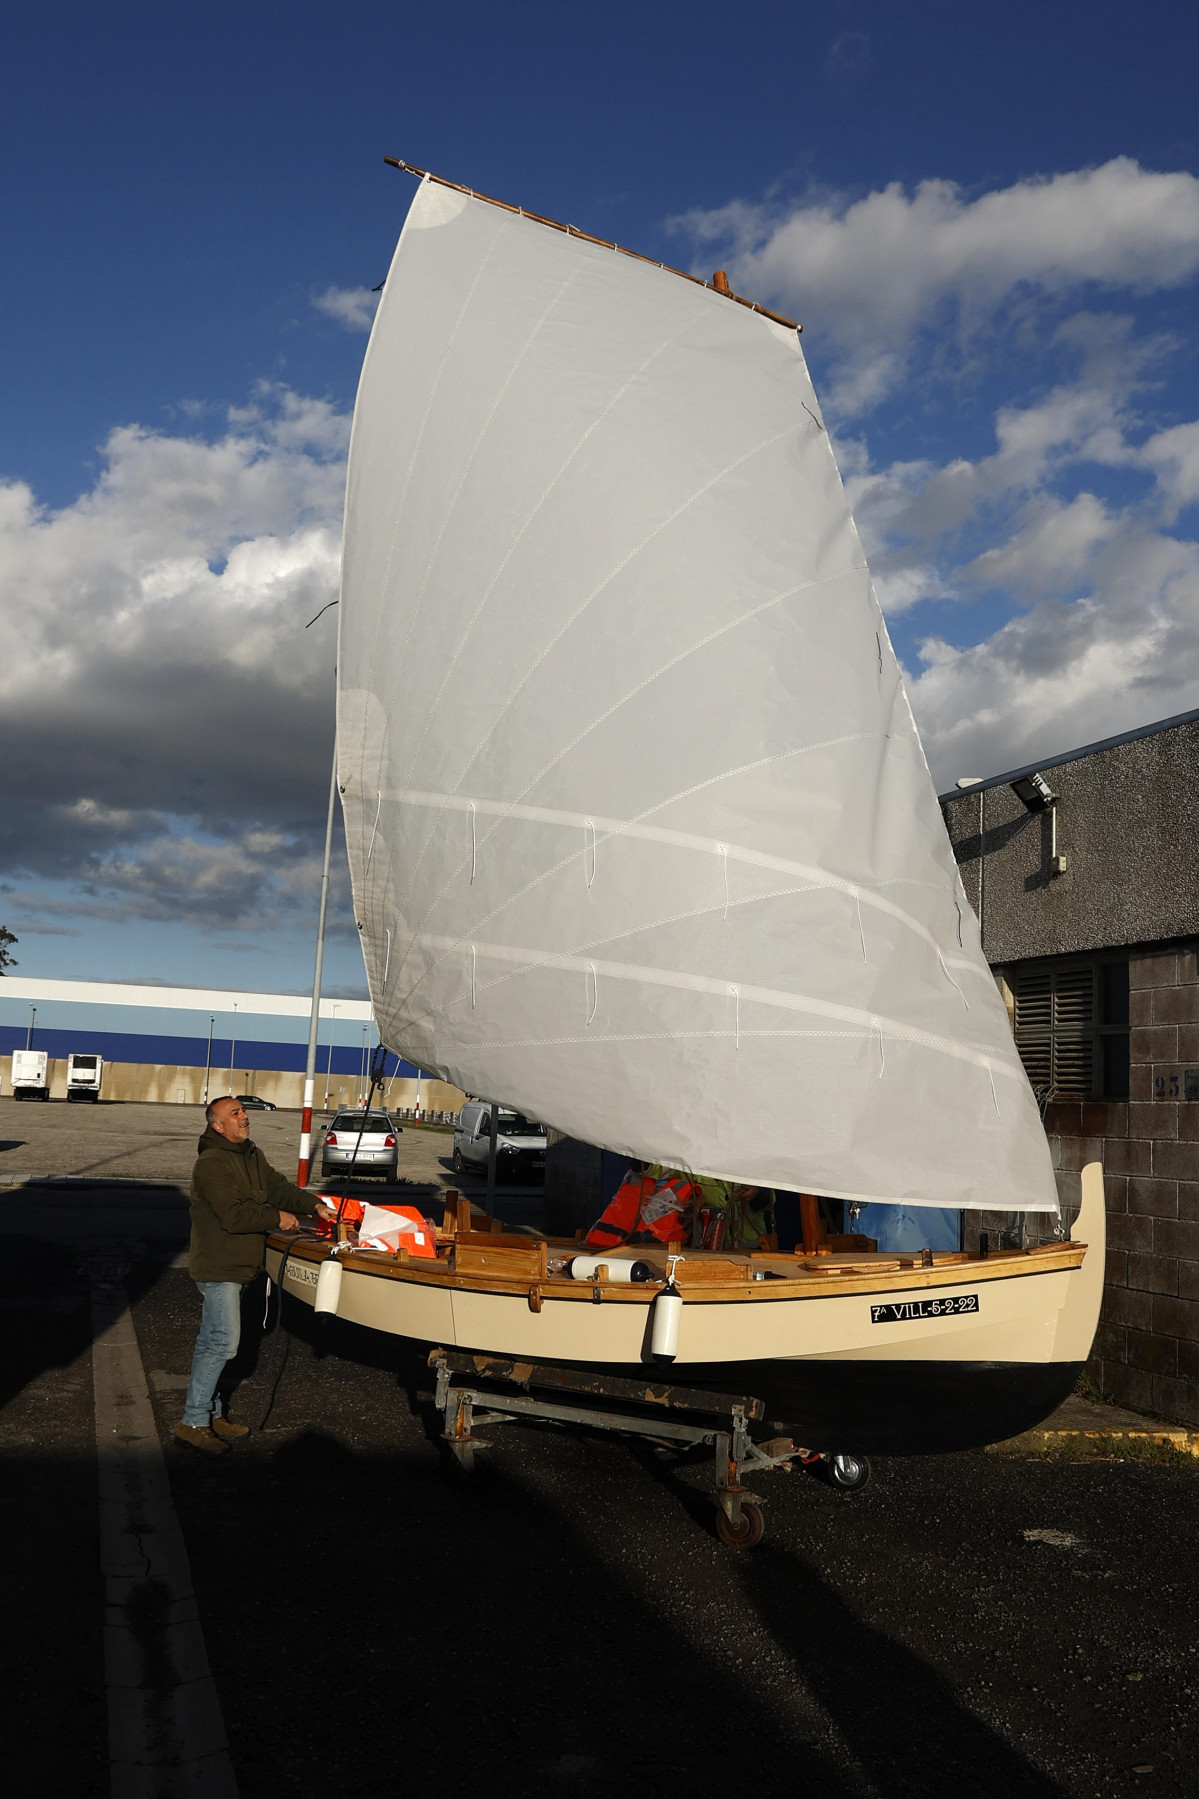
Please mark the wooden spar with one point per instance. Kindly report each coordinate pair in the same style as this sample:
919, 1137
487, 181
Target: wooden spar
719, 283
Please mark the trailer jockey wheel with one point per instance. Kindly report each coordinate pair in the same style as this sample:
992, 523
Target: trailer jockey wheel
848, 1472
745, 1534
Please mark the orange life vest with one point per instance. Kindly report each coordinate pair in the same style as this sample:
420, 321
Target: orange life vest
645, 1210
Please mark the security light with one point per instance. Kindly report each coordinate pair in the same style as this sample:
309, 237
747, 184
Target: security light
1034, 792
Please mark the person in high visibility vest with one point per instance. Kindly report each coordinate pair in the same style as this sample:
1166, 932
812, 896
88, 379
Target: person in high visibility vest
664, 1205
729, 1215
651, 1205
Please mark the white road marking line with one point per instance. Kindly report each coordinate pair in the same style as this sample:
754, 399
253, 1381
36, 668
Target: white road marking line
166, 1735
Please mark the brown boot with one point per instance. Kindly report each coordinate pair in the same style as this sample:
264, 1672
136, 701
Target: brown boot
200, 1437
224, 1428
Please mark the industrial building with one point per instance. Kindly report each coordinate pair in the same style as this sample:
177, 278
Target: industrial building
1084, 873
174, 1044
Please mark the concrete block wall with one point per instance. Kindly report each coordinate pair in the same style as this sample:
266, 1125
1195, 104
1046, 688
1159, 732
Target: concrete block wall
1147, 1350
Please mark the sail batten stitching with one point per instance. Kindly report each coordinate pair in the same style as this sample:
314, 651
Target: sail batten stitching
474, 852
378, 808
590, 828
950, 979
867, 1021
403, 500
401, 660
558, 476
815, 878
808, 588
613, 828
594, 991
552, 643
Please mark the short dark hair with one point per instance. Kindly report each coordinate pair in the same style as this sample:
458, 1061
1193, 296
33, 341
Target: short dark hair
210, 1108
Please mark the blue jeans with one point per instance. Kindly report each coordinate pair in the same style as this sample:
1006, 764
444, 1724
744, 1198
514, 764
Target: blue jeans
216, 1344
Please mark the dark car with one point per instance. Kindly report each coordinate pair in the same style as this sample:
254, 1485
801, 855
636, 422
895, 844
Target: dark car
252, 1103
520, 1143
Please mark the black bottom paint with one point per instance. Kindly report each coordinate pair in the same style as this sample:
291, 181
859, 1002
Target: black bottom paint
896, 1408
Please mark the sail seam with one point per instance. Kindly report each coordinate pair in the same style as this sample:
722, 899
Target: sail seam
818, 879
808, 588
867, 1021
403, 500
558, 476
401, 659
568, 625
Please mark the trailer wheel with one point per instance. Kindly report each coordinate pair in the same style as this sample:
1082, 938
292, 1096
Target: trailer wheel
745, 1534
459, 1164
848, 1472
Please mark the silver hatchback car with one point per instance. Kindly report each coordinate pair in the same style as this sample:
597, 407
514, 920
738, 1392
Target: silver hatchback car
375, 1153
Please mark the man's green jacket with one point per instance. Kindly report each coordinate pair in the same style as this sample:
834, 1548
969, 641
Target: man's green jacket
236, 1198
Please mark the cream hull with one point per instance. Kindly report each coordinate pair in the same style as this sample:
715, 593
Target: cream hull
850, 1365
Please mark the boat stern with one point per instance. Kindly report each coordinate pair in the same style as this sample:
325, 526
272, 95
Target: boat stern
1079, 1316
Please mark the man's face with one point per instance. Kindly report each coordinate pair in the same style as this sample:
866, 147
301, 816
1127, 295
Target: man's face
231, 1121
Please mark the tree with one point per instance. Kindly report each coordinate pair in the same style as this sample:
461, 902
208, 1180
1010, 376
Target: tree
6, 961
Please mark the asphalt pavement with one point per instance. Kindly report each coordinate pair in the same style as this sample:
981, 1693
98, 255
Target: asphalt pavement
375, 1624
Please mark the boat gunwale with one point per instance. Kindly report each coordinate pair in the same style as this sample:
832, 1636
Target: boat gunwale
1054, 1258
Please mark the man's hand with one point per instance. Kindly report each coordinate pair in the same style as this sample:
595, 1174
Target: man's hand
288, 1221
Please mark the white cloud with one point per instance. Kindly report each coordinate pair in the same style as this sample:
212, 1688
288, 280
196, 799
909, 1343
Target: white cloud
865, 273
157, 668
353, 307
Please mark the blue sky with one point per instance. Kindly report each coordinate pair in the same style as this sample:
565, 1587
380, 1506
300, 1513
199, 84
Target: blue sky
987, 217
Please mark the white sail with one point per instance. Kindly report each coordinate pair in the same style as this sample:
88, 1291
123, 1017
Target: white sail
641, 833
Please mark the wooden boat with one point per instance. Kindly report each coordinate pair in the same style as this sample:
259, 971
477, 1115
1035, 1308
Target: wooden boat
643, 841
863, 1352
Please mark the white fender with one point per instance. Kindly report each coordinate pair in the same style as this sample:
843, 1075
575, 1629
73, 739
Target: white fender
328, 1286
1079, 1317
664, 1334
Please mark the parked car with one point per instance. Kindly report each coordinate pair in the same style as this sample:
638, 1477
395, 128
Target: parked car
367, 1142
519, 1146
252, 1103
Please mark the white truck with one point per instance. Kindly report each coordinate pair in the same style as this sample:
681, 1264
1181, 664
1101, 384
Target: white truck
29, 1074
83, 1077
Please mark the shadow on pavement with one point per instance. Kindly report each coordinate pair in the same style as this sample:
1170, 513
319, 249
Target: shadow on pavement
422, 1635
900, 1718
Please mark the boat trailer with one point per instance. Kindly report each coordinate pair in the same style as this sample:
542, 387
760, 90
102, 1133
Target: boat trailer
472, 1391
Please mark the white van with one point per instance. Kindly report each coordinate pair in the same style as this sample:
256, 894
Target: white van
519, 1147
30, 1079
84, 1074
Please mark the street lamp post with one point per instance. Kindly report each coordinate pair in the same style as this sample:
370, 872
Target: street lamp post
208, 1057
362, 1074
232, 1046
29, 1032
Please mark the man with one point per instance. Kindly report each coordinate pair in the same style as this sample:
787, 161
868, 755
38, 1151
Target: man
236, 1198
